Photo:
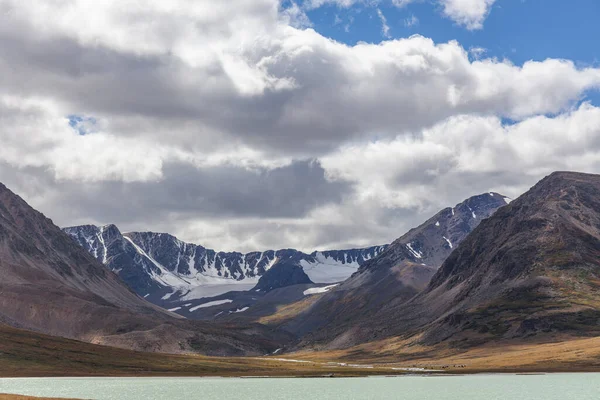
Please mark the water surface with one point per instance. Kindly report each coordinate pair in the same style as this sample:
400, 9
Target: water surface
466, 387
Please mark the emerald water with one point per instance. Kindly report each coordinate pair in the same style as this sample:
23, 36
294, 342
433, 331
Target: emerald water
467, 387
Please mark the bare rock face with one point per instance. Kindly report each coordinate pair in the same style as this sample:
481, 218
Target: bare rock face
433, 241
282, 275
394, 276
52, 285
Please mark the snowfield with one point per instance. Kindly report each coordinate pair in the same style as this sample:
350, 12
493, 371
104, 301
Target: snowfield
318, 290
210, 304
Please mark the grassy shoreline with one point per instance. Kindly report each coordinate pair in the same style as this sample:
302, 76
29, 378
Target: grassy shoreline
30, 354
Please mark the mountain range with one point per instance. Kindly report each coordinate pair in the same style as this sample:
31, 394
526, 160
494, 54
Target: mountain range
164, 269
486, 274
200, 283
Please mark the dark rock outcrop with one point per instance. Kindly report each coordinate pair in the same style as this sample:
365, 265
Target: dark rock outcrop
282, 275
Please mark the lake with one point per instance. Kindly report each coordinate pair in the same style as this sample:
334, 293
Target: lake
466, 387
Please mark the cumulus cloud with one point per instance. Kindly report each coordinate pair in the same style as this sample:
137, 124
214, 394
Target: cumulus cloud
469, 153
36, 134
233, 125
469, 13
269, 80
296, 16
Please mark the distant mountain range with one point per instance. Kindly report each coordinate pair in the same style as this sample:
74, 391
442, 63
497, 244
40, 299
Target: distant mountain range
185, 277
162, 268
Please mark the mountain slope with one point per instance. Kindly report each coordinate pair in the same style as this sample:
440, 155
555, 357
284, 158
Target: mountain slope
531, 269
164, 269
41, 265
396, 275
51, 285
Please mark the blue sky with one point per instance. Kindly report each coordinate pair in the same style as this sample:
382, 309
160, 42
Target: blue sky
517, 30
520, 30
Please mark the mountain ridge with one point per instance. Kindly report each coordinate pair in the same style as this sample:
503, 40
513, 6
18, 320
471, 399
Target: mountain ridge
157, 265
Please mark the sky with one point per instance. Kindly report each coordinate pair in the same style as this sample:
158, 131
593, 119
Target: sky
310, 124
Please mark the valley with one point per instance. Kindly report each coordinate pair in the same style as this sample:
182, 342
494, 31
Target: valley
486, 286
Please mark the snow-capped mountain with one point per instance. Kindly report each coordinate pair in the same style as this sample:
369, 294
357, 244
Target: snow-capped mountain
162, 268
396, 274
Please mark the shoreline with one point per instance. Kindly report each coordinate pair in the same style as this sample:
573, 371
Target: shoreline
7, 396
398, 374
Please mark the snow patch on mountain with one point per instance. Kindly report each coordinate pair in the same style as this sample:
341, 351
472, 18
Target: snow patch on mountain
318, 290
472, 212
211, 304
448, 241
414, 252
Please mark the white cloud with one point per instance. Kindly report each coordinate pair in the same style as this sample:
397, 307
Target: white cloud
385, 29
50, 143
223, 103
477, 52
402, 3
412, 21
468, 13
204, 84
296, 17
312, 4
468, 153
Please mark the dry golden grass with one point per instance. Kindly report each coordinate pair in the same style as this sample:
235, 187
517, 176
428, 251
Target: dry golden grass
289, 311
558, 354
572, 354
27, 353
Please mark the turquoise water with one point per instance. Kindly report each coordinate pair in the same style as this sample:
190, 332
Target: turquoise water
467, 387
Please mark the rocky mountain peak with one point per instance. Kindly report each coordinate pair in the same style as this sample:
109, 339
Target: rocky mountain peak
431, 242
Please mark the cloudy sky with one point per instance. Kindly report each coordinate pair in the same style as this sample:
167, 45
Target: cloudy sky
315, 124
